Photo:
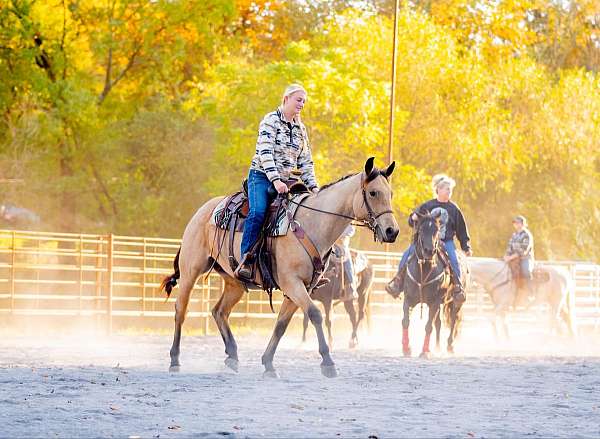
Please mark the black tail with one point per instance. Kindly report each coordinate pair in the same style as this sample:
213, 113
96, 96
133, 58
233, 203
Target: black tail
170, 281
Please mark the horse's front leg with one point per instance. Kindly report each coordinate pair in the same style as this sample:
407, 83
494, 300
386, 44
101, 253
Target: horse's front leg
434, 310
349, 305
438, 331
405, 323
294, 289
286, 312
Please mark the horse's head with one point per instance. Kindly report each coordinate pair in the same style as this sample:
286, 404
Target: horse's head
374, 203
427, 234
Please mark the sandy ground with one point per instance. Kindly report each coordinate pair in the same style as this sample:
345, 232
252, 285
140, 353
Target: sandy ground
66, 386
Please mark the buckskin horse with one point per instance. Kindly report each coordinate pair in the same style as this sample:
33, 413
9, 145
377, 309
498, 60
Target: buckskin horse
320, 219
327, 295
427, 281
557, 290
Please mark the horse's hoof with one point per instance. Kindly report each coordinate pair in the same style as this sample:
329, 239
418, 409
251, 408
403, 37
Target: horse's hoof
232, 363
174, 368
425, 355
271, 374
450, 350
329, 371
406, 352
353, 343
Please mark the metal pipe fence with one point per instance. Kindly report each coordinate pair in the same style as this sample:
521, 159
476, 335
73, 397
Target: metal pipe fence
109, 277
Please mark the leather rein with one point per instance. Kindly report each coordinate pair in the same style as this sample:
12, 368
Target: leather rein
310, 248
370, 221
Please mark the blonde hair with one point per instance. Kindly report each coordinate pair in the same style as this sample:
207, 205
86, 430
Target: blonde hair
290, 90
440, 180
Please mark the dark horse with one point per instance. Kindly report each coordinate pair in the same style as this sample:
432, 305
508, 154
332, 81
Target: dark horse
328, 293
428, 282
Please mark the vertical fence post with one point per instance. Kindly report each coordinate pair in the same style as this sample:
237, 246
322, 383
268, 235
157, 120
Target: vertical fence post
80, 271
109, 282
12, 272
144, 280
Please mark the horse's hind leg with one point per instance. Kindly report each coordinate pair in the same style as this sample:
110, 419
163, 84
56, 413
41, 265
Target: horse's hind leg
286, 312
328, 307
232, 293
304, 327
186, 285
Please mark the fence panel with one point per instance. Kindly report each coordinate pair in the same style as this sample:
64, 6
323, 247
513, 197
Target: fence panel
110, 276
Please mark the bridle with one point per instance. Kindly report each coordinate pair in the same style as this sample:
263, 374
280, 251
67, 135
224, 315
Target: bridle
370, 221
421, 260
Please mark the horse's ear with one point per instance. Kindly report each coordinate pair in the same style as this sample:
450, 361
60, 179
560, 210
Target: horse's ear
387, 172
369, 166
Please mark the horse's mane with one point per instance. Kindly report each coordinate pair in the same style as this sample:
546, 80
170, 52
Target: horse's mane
328, 185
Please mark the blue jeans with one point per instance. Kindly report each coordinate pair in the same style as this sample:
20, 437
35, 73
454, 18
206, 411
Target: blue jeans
258, 197
450, 250
527, 268
409, 251
349, 271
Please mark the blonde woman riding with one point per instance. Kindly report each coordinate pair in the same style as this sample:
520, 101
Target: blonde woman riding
281, 147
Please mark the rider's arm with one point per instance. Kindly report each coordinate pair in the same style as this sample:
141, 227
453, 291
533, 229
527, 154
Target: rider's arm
265, 148
462, 232
306, 165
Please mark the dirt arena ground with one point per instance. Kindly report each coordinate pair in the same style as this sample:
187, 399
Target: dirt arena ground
119, 386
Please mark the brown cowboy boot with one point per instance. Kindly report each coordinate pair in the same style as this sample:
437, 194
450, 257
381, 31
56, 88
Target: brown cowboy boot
395, 287
244, 270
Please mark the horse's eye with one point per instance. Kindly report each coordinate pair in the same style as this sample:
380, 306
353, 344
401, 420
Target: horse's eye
373, 193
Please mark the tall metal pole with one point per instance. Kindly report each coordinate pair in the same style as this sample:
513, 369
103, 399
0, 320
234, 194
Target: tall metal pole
390, 154
392, 94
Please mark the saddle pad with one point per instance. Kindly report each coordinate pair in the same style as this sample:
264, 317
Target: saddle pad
282, 225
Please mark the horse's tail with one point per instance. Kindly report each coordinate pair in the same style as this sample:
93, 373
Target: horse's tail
170, 281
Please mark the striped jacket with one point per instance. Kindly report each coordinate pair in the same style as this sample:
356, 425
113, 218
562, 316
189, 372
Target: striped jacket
281, 147
521, 243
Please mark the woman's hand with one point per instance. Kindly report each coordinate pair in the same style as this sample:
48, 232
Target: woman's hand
414, 217
469, 253
280, 187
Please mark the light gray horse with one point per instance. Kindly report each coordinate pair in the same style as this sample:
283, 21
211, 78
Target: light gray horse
495, 277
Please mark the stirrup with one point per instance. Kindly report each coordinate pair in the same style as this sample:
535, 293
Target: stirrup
244, 270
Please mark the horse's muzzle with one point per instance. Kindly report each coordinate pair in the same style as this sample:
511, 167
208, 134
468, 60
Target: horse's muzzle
390, 234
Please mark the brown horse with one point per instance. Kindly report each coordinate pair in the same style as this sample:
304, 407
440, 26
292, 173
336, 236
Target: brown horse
327, 295
365, 197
